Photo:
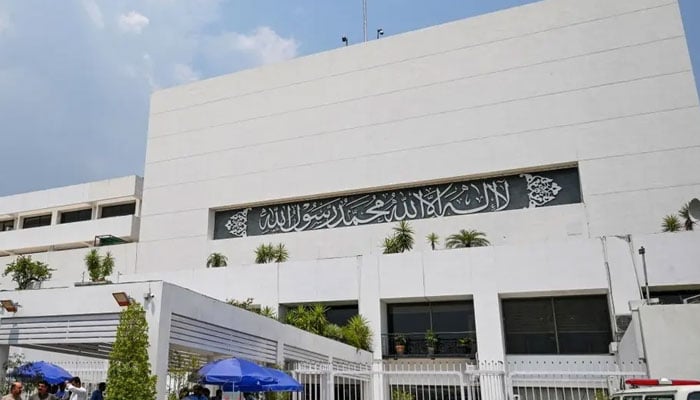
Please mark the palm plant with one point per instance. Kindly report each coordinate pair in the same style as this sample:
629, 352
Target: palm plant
280, 253
466, 238
267, 253
264, 253
268, 311
432, 239
671, 223
685, 214
390, 246
403, 235
216, 260
357, 333
99, 267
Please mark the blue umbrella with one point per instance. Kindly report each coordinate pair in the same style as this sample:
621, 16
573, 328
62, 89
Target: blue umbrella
235, 370
285, 383
51, 373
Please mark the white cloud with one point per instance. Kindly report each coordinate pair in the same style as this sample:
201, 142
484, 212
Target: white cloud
93, 11
132, 22
183, 73
5, 23
266, 45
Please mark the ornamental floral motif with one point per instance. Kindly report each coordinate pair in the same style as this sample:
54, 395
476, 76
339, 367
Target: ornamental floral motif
540, 190
238, 223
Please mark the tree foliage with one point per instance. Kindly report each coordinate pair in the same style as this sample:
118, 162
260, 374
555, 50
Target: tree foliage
99, 267
268, 253
432, 239
356, 332
466, 238
684, 212
216, 260
400, 240
129, 373
671, 223
24, 271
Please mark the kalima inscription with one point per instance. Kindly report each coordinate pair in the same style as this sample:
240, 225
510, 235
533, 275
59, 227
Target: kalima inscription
511, 192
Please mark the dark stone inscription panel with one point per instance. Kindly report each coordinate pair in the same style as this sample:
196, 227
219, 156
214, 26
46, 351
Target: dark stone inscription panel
540, 189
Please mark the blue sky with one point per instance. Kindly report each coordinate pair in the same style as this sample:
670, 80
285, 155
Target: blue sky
76, 75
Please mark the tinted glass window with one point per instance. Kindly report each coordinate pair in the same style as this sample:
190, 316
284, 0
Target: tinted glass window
7, 225
340, 315
33, 222
659, 397
557, 325
674, 297
406, 318
694, 396
75, 216
118, 210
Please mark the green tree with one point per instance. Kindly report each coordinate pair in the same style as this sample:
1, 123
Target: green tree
671, 223
99, 267
685, 214
129, 373
401, 240
267, 253
280, 253
216, 260
390, 246
24, 271
403, 235
432, 239
466, 238
357, 333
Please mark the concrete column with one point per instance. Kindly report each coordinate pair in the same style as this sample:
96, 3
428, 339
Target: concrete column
4, 356
158, 315
489, 332
370, 306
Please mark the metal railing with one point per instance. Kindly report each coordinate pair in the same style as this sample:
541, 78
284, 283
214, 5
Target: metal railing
415, 345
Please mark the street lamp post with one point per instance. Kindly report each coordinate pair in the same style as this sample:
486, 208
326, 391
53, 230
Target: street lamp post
642, 252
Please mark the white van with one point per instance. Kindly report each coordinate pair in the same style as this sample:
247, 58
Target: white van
662, 389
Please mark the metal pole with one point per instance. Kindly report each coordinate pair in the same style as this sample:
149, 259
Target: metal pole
364, 19
642, 252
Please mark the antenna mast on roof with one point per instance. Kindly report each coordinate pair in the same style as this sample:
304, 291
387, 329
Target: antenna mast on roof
364, 19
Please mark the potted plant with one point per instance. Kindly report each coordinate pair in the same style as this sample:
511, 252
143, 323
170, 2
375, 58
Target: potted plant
400, 344
431, 341
466, 343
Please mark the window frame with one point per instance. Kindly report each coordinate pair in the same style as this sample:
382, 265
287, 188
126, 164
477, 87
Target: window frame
556, 332
33, 217
61, 214
102, 208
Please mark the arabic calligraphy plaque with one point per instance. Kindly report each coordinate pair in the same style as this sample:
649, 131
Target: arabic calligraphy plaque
540, 189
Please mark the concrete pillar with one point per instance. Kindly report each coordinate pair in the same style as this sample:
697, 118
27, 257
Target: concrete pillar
489, 332
4, 356
158, 315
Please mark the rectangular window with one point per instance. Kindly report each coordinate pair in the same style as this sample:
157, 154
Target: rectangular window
452, 323
7, 225
33, 222
340, 315
674, 296
76, 216
557, 325
118, 210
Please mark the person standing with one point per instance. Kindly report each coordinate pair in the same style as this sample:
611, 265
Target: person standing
42, 392
76, 390
15, 392
99, 393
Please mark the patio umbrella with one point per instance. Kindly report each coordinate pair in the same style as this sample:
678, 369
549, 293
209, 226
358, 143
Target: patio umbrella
51, 373
285, 383
235, 370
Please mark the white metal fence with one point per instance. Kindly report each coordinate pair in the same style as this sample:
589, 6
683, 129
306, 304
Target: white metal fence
457, 380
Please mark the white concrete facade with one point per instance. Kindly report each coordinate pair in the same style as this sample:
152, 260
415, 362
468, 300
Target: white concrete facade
602, 86
93, 196
606, 86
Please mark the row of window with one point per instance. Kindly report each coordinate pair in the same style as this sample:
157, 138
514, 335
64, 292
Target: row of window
547, 325
542, 325
71, 216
